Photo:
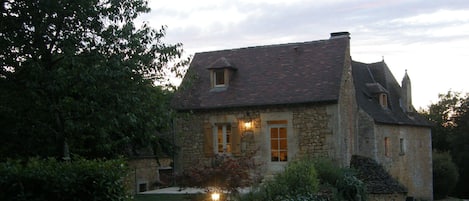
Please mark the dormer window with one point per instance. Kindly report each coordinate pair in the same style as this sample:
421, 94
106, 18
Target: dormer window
383, 100
219, 77
220, 73
379, 92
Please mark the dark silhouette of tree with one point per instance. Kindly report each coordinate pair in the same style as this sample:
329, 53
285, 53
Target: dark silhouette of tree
79, 76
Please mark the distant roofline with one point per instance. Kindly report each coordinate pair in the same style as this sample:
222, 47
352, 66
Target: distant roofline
266, 46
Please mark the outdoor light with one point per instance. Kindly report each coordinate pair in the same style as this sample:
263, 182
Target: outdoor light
247, 125
215, 196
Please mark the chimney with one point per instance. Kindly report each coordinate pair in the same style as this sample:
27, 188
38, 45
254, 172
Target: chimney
340, 35
406, 94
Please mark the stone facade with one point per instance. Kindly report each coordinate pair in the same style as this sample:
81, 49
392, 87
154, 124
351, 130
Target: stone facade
311, 132
410, 159
144, 173
404, 151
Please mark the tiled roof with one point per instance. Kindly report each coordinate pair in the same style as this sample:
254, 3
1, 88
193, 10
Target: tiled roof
376, 179
267, 75
373, 78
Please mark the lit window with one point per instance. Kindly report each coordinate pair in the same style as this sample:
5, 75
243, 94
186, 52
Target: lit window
278, 142
219, 77
223, 136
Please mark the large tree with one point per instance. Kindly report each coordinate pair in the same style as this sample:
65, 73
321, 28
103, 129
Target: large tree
451, 133
78, 75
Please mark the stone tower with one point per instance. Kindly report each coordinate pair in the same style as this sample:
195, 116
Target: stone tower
406, 94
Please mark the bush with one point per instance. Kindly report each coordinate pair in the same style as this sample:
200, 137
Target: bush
299, 181
224, 173
445, 174
308, 180
349, 187
328, 172
78, 180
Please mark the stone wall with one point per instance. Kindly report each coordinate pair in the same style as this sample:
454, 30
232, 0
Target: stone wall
144, 173
346, 142
310, 133
412, 166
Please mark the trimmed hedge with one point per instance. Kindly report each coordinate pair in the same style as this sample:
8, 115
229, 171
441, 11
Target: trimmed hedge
77, 180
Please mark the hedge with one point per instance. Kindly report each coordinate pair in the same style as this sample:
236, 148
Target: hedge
49, 179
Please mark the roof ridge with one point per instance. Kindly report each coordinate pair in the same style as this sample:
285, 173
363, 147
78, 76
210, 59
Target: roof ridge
269, 46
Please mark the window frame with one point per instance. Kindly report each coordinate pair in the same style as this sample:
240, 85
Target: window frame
387, 147
278, 125
383, 100
215, 74
226, 141
401, 146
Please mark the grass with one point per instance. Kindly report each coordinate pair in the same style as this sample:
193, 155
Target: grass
165, 197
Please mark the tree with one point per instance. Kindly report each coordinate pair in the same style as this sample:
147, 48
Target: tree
451, 133
460, 146
79, 76
442, 115
445, 175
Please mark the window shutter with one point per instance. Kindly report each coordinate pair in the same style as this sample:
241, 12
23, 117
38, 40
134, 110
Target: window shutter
208, 140
236, 144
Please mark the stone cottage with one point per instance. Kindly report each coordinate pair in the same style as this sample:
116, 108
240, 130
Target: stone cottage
302, 99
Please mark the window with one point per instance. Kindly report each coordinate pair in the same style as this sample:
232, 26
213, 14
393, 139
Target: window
383, 100
401, 146
223, 139
387, 147
219, 77
278, 141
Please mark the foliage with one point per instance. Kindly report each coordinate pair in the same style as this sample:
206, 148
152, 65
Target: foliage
442, 115
311, 179
328, 172
341, 181
78, 180
224, 173
299, 181
450, 133
80, 75
445, 174
350, 188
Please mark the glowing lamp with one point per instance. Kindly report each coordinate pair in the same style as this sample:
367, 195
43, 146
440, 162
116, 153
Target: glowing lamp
247, 125
215, 196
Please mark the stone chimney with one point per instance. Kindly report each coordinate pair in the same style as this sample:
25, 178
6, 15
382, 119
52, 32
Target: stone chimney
340, 35
406, 94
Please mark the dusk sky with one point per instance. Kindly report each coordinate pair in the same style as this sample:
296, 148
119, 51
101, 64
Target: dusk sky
428, 38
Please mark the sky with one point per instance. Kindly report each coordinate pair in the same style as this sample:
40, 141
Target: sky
428, 38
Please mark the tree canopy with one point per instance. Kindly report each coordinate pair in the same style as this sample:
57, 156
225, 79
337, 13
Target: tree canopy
79, 76
451, 133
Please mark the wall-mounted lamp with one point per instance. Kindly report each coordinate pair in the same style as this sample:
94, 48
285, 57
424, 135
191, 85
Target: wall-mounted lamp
247, 125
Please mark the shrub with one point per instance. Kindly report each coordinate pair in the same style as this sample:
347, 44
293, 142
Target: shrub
78, 180
341, 182
445, 174
328, 172
224, 173
349, 187
299, 181
308, 180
